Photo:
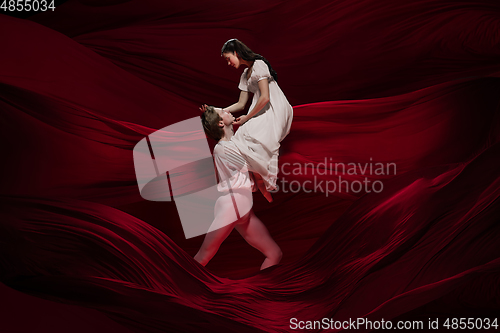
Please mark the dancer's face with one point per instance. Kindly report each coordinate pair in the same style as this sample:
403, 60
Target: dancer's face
232, 59
227, 117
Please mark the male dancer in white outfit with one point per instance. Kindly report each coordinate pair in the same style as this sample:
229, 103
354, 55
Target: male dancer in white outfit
234, 177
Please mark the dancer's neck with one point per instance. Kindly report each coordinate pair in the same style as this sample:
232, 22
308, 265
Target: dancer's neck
228, 133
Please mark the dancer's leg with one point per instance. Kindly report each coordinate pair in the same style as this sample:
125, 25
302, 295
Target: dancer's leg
211, 244
256, 234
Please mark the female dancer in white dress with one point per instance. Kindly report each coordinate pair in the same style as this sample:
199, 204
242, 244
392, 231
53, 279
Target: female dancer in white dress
269, 117
254, 147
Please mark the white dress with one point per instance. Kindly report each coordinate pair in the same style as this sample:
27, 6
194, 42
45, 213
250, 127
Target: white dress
259, 138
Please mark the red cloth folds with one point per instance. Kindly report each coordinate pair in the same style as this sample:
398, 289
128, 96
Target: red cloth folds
414, 84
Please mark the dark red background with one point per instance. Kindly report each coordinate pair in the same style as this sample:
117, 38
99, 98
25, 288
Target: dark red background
412, 83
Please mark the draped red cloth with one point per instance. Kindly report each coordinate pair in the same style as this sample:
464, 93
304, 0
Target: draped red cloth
413, 84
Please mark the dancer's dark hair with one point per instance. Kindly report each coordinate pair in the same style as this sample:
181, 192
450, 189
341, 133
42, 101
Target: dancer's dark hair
244, 52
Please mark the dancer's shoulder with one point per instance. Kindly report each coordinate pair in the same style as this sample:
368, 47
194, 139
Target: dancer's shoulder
219, 148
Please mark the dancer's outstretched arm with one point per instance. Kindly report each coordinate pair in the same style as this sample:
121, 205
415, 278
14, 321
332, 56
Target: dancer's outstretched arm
261, 102
240, 105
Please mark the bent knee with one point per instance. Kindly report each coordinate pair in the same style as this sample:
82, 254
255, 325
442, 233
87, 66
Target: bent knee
276, 255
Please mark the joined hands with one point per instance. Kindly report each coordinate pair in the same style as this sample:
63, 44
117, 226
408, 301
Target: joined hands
240, 120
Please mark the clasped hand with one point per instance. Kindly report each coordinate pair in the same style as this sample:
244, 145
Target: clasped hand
240, 120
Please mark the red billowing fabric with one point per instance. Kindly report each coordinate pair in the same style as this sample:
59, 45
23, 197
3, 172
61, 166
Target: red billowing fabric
415, 84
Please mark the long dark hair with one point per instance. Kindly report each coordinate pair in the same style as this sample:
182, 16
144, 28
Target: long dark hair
244, 52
